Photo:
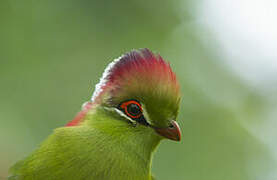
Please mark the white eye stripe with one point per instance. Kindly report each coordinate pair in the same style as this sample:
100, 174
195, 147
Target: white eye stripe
121, 114
124, 115
145, 114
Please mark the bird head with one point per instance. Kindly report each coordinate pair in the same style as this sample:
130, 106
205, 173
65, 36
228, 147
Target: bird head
142, 88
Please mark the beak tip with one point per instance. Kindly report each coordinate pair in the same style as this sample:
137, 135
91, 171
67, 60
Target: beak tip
173, 132
177, 130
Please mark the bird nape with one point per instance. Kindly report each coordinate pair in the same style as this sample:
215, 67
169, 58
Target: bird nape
133, 107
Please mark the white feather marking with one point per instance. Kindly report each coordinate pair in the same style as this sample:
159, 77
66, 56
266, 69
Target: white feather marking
145, 114
121, 114
103, 79
124, 115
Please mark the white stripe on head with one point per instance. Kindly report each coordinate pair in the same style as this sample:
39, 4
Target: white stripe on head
121, 114
103, 80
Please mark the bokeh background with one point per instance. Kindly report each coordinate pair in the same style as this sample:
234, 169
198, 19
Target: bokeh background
224, 52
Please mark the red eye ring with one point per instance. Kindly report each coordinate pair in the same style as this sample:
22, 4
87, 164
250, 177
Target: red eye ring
125, 106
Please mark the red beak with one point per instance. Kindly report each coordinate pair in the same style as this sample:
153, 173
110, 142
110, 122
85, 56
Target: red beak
172, 132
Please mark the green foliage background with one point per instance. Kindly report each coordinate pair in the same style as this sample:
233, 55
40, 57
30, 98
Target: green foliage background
54, 52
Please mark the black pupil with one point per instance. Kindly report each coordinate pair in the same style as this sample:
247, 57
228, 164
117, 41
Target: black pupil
133, 109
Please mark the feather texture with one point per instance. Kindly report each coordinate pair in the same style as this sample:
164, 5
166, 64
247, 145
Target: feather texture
100, 142
138, 70
100, 148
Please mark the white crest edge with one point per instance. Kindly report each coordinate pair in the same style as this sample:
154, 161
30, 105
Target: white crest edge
103, 80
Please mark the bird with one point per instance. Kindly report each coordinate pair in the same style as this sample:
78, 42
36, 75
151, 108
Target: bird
114, 136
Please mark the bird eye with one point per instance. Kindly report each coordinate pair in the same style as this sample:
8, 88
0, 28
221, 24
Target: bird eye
132, 109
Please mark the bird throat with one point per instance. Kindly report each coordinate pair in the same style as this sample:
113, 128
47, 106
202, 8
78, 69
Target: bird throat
127, 147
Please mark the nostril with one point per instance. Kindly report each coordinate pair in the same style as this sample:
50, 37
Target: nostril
171, 126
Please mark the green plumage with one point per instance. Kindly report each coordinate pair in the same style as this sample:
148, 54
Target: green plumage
109, 141
102, 147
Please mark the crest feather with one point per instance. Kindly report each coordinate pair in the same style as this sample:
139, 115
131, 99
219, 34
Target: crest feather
137, 67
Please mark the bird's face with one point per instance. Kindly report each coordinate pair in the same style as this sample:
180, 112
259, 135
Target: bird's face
141, 88
159, 118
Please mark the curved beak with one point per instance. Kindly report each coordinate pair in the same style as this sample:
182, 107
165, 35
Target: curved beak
172, 132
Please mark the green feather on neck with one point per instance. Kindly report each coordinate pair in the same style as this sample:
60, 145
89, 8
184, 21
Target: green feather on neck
133, 108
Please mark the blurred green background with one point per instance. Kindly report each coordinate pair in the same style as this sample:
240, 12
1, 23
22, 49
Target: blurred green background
52, 53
